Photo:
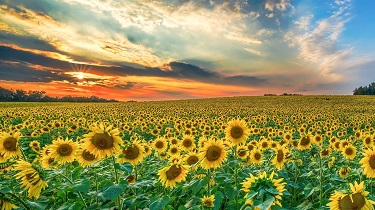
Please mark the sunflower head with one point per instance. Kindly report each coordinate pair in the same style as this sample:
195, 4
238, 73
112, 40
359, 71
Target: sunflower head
213, 154
237, 131
9, 145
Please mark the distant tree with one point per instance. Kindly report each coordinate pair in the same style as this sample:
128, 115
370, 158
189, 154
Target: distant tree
40, 96
366, 90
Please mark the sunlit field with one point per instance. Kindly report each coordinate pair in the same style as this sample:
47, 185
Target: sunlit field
268, 152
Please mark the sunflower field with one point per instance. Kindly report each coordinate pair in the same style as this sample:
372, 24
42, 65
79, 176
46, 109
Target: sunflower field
266, 152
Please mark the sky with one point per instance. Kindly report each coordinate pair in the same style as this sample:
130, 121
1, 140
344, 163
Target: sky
173, 49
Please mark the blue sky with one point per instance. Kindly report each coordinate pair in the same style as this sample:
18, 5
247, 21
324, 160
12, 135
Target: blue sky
154, 50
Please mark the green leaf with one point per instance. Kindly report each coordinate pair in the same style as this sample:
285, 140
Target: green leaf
77, 172
112, 192
309, 190
159, 203
127, 167
39, 204
251, 195
272, 191
198, 185
182, 208
83, 186
218, 200
5, 190
268, 202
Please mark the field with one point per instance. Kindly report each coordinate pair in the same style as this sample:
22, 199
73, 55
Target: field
268, 152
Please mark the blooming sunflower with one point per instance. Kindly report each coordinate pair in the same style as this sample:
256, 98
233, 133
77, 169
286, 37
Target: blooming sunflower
63, 151
35, 146
85, 158
32, 179
187, 143
192, 159
9, 145
208, 201
264, 181
47, 162
174, 150
354, 200
160, 144
170, 175
325, 152
344, 172
368, 141
237, 131
256, 157
6, 205
133, 153
102, 141
349, 152
242, 152
304, 142
147, 149
213, 154
280, 157
368, 163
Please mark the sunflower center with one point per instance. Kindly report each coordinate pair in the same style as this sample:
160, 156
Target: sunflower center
213, 153
236, 132
173, 172
325, 152
159, 144
131, 153
88, 156
241, 153
257, 156
305, 141
31, 178
174, 141
280, 156
10, 144
264, 145
357, 201
349, 151
372, 161
102, 141
64, 150
192, 160
130, 178
174, 150
187, 143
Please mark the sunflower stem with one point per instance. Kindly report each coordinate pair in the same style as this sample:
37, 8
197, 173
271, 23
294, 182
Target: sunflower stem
23, 154
236, 175
116, 180
208, 183
320, 180
79, 193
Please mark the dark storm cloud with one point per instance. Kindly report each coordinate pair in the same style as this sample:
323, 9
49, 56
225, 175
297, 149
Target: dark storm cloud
178, 71
28, 42
127, 86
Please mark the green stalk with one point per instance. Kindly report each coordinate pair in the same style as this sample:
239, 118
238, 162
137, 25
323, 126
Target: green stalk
116, 180
236, 175
19, 200
79, 193
208, 183
320, 180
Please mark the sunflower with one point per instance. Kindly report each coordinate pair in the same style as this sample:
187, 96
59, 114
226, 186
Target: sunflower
264, 144
213, 154
130, 179
6, 205
242, 152
147, 149
102, 141
349, 152
174, 150
280, 157
160, 144
9, 145
368, 163
264, 181
170, 175
173, 141
367, 141
32, 179
237, 131
187, 143
63, 151
133, 153
85, 158
208, 202
330, 163
256, 157
344, 172
35, 146
192, 159
325, 152
47, 162
304, 142
354, 200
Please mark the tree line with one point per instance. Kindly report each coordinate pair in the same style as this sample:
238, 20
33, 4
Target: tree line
366, 90
40, 96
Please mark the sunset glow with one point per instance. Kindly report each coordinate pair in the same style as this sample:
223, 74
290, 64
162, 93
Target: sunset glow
158, 50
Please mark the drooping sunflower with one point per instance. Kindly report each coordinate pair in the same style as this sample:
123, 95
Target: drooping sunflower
9, 145
5, 204
263, 181
237, 131
63, 151
47, 162
132, 153
172, 174
213, 154
187, 143
160, 144
242, 152
208, 201
304, 142
368, 163
32, 180
102, 141
349, 152
85, 158
325, 152
280, 157
256, 157
356, 199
